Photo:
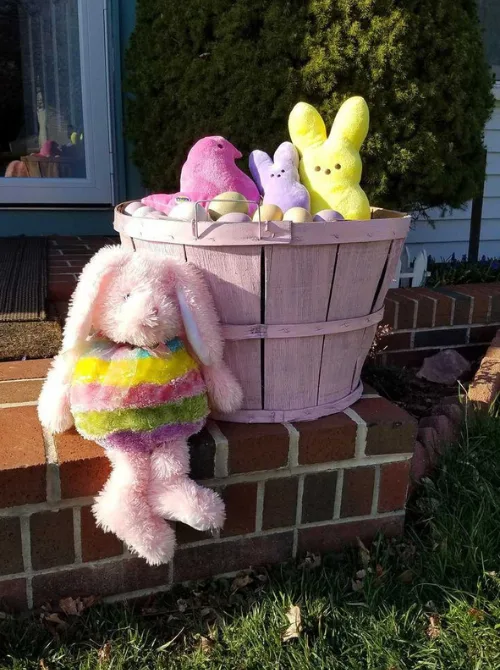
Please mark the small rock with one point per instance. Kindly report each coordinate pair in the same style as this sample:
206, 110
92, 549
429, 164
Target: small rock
420, 466
430, 440
445, 367
445, 429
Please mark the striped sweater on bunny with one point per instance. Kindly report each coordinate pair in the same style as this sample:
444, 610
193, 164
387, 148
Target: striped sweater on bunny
135, 398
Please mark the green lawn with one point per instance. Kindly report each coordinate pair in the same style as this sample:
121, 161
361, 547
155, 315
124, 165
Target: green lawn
429, 601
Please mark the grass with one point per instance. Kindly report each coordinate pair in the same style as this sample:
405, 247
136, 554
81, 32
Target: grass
428, 601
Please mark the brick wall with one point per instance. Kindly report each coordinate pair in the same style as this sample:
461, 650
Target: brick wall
464, 317
288, 489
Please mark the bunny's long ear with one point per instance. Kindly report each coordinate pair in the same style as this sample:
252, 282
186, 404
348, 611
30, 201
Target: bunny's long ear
199, 315
257, 161
100, 266
287, 153
352, 121
306, 127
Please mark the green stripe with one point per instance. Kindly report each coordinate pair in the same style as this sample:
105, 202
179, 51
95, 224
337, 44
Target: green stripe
100, 424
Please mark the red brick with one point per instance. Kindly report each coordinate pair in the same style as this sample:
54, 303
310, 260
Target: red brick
481, 300
185, 534
36, 369
61, 290
407, 307
11, 553
280, 503
486, 384
444, 310
217, 558
22, 458
357, 492
336, 537
13, 595
96, 544
426, 307
22, 391
394, 479
120, 576
241, 506
256, 446
391, 430
395, 341
481, 334
331, 438
319, 496
52, 539
83, 466
389, 312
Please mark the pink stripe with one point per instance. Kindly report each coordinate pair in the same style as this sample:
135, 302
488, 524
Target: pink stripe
97, 397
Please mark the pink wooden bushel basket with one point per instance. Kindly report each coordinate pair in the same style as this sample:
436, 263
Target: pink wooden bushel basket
299, 303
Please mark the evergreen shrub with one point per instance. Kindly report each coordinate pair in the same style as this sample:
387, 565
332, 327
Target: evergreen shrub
237, 67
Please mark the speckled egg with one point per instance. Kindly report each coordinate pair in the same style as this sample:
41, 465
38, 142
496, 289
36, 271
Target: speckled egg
268, 213
228, 202
234, 217
187, 211
328, 215
297, 215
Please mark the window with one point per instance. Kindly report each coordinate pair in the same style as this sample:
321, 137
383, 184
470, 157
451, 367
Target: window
489, 13
54, 133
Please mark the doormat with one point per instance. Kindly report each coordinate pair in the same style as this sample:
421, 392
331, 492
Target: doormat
26, 329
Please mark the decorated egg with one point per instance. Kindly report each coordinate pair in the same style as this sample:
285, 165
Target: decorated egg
328, 215
132, 207
187, 211
297, 215
231, 201
142, 211
268, 213
234, 217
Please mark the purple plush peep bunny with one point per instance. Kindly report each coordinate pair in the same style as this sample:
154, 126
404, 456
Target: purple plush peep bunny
279, 181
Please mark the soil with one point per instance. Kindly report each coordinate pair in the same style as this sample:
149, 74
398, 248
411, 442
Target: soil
417, 396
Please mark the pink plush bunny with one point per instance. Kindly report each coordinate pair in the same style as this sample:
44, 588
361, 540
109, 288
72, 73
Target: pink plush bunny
208, 171
126, 379
279, 181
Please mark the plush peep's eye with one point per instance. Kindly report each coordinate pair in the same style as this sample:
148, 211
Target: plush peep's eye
337, 166
126, 296
283, 172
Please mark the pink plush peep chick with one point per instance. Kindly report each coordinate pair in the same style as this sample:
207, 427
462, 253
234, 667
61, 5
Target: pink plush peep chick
209, 170
139, 369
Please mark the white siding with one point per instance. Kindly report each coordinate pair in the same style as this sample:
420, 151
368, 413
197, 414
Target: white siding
451, 233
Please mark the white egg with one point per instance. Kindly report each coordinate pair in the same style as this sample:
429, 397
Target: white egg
142, 212
187, 211
234, 217
132, 207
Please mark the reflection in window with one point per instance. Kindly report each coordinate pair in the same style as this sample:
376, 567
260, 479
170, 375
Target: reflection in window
489, 13
41, 134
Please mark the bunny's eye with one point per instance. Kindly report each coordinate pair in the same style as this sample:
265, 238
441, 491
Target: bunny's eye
328, 171
126, 296
272, 175
337, 166
220, 146
317, 168
283, 171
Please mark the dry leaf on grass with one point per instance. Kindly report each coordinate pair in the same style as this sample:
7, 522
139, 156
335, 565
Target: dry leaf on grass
104, 653
42, 665
476, 614
311, 561
206, 644
75, 606
295, 627
182, 605
240, 583
364, 554
434, 628
406, 577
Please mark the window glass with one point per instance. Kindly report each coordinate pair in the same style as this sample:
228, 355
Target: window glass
489, 12
42, 129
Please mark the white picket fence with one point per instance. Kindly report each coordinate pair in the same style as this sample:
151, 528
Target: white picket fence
411, 272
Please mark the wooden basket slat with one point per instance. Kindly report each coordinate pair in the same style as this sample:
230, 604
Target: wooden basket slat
390, 270
339, 356
297, 290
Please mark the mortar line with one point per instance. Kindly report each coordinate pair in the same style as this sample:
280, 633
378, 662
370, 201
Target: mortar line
16, 381
26, 554
376, 490
221, 449
77, 534
361, 432
28, 403
53, 482
293, 446
259, 512
338, 494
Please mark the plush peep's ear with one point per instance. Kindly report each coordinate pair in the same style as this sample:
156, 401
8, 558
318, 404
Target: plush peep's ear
100, 266
257, 162
286, 153
352, 122
306, 127
203, 332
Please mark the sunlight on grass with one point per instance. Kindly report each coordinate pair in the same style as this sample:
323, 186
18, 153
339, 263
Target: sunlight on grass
428, 601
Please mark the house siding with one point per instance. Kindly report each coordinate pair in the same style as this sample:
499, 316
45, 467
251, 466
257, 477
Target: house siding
450, 234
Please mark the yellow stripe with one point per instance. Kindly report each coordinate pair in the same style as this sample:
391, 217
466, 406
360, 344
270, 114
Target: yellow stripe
131, 372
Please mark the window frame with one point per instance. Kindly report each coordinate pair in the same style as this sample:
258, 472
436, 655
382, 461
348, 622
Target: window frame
98, 187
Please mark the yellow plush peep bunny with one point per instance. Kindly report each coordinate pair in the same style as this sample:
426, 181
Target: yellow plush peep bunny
330, 167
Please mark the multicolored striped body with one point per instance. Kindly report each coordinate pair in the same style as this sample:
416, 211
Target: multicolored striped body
135, 398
